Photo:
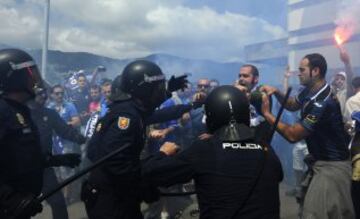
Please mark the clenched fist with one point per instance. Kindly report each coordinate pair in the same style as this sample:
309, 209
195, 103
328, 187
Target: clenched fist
169, 148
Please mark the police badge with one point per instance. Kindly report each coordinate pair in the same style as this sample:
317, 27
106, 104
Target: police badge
123, 123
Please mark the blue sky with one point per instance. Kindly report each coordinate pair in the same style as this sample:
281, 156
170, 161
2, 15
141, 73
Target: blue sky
200, 29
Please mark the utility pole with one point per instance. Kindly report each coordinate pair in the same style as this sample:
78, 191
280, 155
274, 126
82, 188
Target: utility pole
45, 39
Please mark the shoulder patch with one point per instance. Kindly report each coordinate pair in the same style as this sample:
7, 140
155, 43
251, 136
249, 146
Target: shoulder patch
123, 123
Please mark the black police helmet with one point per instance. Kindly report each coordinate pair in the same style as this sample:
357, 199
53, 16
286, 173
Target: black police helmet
224, 105
18, 72
143, 80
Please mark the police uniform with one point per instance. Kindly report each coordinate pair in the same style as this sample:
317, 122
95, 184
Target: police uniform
48, 121
115, 186
235, 176
21, 159
115, 189
232, 179
327, 143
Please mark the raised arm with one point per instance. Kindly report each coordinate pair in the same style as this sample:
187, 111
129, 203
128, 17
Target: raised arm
345, 58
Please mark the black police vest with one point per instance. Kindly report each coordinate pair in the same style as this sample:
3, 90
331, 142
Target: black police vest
21, 158
94, 147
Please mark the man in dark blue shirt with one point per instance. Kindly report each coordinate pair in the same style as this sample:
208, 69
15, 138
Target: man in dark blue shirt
321, 125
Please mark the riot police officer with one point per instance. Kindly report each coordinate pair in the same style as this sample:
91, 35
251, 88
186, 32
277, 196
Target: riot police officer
49, 122
21, 158
235, 176
114, 190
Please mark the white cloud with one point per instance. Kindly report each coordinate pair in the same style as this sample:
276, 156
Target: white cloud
133, 28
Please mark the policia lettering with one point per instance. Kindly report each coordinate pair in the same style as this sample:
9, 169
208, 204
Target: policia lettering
224, 191
243, 146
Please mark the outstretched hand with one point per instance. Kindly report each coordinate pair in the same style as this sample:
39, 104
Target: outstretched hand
269, 90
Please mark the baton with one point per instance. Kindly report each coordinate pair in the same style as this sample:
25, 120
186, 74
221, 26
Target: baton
84, 171
282, 107
176, 194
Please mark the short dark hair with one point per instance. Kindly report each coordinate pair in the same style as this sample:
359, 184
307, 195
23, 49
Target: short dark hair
317, 60
254, 70
95, 87
356, 82
106, 82
80, 75
56, 86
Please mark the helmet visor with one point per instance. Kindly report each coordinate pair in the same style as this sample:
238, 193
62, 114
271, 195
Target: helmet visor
34, 79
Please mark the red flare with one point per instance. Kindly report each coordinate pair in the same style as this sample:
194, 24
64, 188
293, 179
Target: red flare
339, 40
343, 33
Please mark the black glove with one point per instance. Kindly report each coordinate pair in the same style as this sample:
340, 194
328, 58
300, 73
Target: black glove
21, 205
149, 194
81, 139
69, 160
177, 83
309, 160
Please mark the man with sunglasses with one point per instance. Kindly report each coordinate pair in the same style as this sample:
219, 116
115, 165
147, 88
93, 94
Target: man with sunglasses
321, 125
67, 110
197, 115
69, 114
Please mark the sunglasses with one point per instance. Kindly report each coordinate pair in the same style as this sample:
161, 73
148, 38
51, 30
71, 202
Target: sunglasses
203, 85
